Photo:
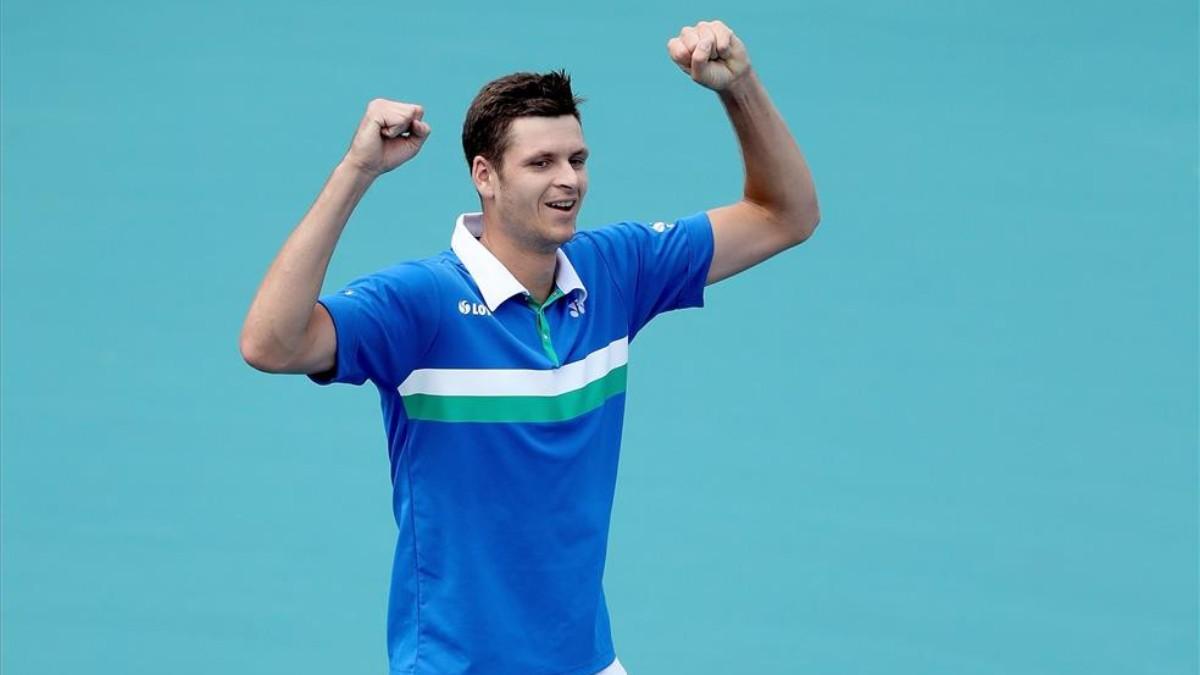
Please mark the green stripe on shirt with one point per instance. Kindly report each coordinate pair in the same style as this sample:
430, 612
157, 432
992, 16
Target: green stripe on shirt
517, 408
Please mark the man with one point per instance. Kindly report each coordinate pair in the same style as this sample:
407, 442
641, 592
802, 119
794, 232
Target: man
501, 362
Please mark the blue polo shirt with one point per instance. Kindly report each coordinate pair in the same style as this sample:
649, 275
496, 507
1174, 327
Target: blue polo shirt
504, 424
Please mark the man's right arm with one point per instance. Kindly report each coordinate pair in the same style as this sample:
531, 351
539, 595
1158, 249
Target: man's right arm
286, 330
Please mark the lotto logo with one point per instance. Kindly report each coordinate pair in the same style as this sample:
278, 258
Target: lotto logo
661, 226
475, 308
576, 308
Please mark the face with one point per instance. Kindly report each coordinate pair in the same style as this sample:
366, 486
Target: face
545, 164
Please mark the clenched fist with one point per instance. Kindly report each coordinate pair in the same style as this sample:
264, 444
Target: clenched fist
710, 53
390, 134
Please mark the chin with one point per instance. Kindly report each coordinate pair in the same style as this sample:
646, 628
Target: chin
558, 227
563, 233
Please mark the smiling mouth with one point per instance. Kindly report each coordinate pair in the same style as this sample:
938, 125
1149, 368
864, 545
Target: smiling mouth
565, 205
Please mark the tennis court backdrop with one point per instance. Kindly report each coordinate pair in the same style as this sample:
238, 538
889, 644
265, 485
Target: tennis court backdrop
953, 433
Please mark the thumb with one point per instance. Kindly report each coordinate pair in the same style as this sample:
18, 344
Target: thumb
391, 130
420, 129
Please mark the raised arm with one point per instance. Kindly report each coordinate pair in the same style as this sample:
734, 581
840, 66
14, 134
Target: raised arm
779, 207
286, 330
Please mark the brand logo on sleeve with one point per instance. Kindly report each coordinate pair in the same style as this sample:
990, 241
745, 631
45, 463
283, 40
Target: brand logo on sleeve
467, 308
661, 226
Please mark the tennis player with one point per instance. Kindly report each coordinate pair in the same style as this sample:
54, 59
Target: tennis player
501, 362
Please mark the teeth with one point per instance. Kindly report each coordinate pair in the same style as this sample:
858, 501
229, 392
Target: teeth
564, 205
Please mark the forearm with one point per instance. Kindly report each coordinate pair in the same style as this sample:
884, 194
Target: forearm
777, 177
278, 318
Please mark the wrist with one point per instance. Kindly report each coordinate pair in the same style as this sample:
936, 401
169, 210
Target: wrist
742, 87
355, 171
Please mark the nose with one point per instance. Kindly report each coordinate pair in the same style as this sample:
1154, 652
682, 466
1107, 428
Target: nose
567, 177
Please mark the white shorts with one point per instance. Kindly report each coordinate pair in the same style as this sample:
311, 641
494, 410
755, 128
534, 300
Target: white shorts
613, 668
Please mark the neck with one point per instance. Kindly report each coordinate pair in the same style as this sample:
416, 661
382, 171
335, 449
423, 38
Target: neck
533, 268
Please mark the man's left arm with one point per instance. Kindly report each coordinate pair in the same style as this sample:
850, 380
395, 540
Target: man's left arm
778, 208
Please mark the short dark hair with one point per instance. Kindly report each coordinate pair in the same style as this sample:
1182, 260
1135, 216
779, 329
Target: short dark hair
485, 131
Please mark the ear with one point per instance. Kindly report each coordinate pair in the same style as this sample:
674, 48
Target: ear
484, 175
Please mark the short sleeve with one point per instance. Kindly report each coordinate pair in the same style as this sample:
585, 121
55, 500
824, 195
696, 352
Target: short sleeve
384, 323
659, 266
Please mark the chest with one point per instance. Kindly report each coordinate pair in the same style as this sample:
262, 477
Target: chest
522, 334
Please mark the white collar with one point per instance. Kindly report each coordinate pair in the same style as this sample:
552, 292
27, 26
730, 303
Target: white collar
494, 280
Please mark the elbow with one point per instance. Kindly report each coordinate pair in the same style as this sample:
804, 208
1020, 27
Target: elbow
800, 224
256, 355
807, 218
810, 223
795, 219
251, 354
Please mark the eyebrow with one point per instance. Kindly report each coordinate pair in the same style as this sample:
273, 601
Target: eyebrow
548, 153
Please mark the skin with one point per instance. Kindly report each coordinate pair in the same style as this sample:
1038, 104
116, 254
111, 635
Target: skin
546, 161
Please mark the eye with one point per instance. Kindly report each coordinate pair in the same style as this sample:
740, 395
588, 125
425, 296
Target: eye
541, 163
578, 161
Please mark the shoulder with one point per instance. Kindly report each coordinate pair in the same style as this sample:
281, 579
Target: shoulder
421, 272
620, 237
604, 233
605, 240
638, 229
398, 282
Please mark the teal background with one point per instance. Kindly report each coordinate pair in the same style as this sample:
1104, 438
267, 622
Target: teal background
955, 432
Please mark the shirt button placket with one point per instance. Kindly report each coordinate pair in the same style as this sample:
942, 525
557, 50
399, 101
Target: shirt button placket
543, 327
